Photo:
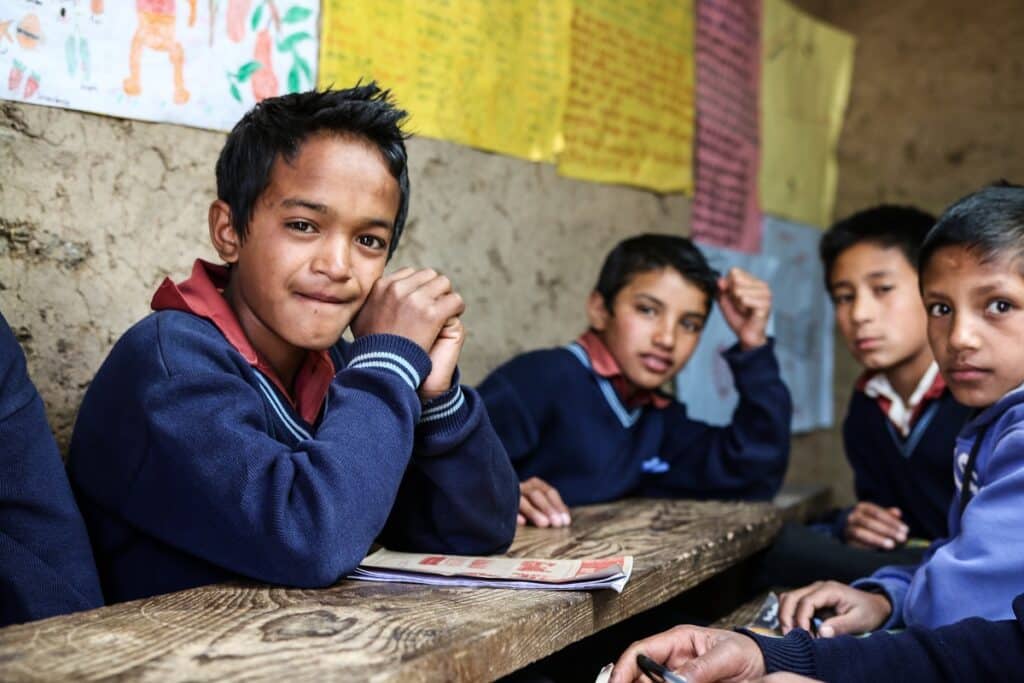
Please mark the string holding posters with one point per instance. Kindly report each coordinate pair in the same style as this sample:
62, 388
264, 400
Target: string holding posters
198, 63
489, 75
801, 323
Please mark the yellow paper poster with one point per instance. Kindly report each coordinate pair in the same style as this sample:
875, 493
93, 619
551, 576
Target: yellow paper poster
629, 115
807, 68
488, 74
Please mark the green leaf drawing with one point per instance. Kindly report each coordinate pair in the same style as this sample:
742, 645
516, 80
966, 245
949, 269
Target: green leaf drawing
293, 79
234, 92
291, 41
304, 66
247, 70
296, 14
256, 16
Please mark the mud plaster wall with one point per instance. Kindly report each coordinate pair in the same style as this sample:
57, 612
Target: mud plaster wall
935, 112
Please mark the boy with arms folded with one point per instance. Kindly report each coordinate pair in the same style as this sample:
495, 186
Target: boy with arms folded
587, 423
972, 285
232, 433
902, 420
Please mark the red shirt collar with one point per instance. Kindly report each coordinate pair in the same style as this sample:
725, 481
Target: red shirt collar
932, 393
605, 365
202, 295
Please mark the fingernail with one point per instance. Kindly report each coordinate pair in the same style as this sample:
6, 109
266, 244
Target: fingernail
827, 631
888, 543
566, 519
905, 529
543, 521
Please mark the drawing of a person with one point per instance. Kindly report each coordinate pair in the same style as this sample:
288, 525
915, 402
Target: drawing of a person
156, 31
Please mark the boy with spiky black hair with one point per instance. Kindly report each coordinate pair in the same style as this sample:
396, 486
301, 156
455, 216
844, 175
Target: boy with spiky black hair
588, 423
233, 433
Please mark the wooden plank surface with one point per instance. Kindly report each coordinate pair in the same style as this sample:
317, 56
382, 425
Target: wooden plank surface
381, 632
802, 502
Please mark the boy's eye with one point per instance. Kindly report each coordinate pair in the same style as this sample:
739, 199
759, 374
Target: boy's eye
999, 307
840, 299
372, 241
645, 310
938, 310
691, 325
301, 226
882, 290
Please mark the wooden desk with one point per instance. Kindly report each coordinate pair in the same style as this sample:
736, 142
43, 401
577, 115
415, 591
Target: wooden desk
358, 631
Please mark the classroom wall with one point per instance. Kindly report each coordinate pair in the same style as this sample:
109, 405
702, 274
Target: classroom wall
935, 112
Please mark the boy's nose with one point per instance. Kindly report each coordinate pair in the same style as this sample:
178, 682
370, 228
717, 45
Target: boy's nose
665, 336
334, 259
862, 310
962, 334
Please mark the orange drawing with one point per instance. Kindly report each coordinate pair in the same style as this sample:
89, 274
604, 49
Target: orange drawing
29, 32
5, 34
264, 81
156, 31
97, 6
238, 12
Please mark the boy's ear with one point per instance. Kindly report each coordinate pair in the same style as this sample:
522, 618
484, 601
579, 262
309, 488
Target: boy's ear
597, 312
222, 233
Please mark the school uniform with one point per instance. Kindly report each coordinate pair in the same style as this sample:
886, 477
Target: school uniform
46, 564
564, 416
193, 464
976, 569
969, 650
900, 453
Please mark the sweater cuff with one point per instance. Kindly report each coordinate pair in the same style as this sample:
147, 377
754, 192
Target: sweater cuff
735, 355
794, 652
893, 590
445, 413
391, 353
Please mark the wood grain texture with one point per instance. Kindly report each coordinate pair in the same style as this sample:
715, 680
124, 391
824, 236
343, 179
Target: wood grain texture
745, 613
379, 632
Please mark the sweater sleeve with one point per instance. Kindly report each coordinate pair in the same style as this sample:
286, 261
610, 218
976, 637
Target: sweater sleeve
46, 564
969, 650
747, 458
460, 494
206, 474
976, 571
515, 405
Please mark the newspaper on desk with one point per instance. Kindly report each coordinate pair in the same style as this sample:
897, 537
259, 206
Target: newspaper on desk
496, 572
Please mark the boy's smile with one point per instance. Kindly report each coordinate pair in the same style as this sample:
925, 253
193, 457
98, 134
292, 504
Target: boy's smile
878, 310
317, 241
975, 323
654, 325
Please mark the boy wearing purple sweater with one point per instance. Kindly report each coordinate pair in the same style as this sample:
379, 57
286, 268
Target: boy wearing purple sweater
232, 433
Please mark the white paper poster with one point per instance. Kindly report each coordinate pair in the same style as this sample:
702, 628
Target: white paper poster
801, 323
202, 63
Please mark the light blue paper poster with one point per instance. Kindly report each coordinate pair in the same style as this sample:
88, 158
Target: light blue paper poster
801, 323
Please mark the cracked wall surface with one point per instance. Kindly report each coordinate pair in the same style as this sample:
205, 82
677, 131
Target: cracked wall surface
95, 212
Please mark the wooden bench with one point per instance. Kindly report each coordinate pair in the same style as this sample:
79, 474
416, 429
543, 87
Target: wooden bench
361, 631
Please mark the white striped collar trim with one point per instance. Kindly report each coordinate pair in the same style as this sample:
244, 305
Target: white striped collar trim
388, 361
626, 417
290, 424
449, 407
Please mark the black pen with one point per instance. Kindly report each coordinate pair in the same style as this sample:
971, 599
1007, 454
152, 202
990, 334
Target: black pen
657, 672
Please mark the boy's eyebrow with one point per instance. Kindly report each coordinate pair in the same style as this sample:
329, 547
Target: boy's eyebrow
323, 209
873, 275
655, 300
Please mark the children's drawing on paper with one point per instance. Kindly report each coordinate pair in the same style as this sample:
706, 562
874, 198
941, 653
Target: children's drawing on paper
157, 59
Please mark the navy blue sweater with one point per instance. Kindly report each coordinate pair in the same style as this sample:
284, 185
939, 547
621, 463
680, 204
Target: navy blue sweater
192, 468
564, 423
969, 650
46, 565
914, 474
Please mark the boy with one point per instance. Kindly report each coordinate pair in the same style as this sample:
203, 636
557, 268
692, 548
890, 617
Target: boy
902, 419
973, 291
46, 565
587, 423
232, 433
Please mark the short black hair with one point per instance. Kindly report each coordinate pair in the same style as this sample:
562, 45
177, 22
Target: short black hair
886, 225
280, 125
647, 252
988, 223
